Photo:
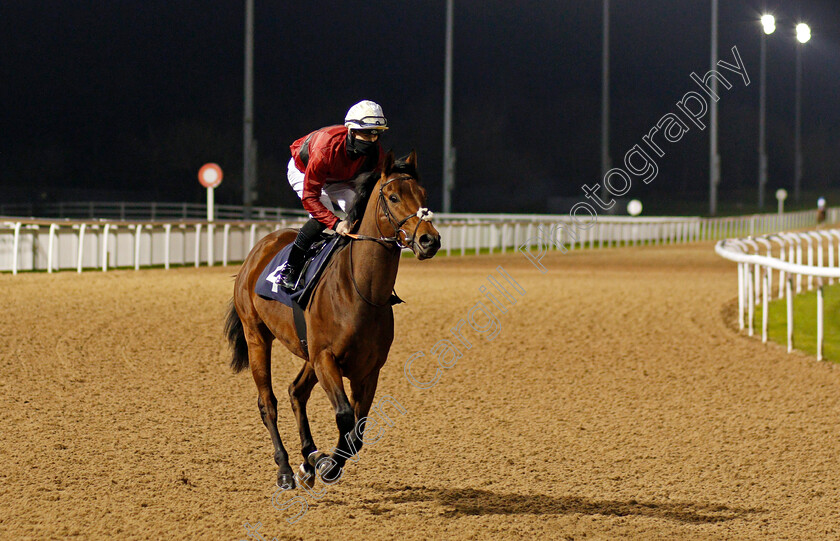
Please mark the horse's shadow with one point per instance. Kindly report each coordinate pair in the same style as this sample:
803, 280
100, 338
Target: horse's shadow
484, 502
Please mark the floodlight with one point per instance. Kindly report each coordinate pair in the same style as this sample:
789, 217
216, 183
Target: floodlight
769, 23
803, 32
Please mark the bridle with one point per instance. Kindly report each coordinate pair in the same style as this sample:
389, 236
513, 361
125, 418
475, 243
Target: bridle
423, 214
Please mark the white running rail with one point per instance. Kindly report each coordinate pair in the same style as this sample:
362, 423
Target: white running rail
28, 244
99, 244
709, 228
793, 255
48, 244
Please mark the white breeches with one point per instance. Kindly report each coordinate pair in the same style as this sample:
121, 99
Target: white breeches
337, 194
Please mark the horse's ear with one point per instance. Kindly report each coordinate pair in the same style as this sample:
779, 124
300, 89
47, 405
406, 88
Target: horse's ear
412, 159
388, 164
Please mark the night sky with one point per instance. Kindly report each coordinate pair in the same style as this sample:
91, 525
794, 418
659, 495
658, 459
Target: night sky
125, 99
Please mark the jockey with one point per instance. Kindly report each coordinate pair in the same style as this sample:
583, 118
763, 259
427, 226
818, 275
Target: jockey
322, 167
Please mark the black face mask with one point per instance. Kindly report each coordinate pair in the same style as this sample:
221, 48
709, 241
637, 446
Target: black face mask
356, 148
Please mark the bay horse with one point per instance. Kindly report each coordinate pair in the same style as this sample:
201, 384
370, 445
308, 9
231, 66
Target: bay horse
349, 319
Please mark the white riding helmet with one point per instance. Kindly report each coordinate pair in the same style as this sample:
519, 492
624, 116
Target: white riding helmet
366, 115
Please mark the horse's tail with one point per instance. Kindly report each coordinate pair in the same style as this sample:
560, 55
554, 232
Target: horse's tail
236, 338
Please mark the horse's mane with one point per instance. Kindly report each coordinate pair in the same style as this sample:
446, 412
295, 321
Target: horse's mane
364, 186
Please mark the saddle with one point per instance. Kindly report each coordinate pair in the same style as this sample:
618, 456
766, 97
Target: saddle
316, 259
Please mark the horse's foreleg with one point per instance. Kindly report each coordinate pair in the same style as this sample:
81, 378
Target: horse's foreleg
259, 355
330, 377
299, 392
363, 393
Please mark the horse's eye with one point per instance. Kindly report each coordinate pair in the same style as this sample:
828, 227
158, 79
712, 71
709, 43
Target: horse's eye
393, 199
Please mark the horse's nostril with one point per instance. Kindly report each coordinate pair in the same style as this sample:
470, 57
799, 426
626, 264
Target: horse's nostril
428, 242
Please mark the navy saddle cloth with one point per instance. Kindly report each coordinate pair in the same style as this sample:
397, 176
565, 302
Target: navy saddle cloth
268, 284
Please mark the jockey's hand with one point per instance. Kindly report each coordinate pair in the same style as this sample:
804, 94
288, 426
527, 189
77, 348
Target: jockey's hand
343, 227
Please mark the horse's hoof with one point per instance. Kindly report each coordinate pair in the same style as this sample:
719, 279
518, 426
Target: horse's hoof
285, 481
330, 473
306, 477
314, 457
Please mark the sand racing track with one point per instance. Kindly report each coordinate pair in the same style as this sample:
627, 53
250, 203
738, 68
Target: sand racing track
616, 401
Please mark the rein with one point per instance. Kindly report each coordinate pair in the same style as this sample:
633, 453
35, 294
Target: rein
423, 214
356, 285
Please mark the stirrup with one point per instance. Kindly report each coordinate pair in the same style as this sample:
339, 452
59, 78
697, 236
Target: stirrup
289, 277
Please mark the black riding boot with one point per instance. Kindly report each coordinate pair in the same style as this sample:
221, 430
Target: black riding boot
290, 271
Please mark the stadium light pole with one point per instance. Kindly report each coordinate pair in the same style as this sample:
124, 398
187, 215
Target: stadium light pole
605, 93
803, 35
448, 151
249, 149
714, 158
768, 23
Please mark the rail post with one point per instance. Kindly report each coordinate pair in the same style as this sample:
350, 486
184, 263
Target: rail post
105, 230
789, 307
167, 243
820, 317
81, 247
464, 239
51, 247
15, 248
138, 229
225, 243
197, 245
741, 295
210, 247
764, 294
750, 303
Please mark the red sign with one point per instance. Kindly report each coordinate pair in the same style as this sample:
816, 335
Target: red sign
210, 175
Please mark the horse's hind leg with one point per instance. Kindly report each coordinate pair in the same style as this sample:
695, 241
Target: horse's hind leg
299, 392
259, 354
